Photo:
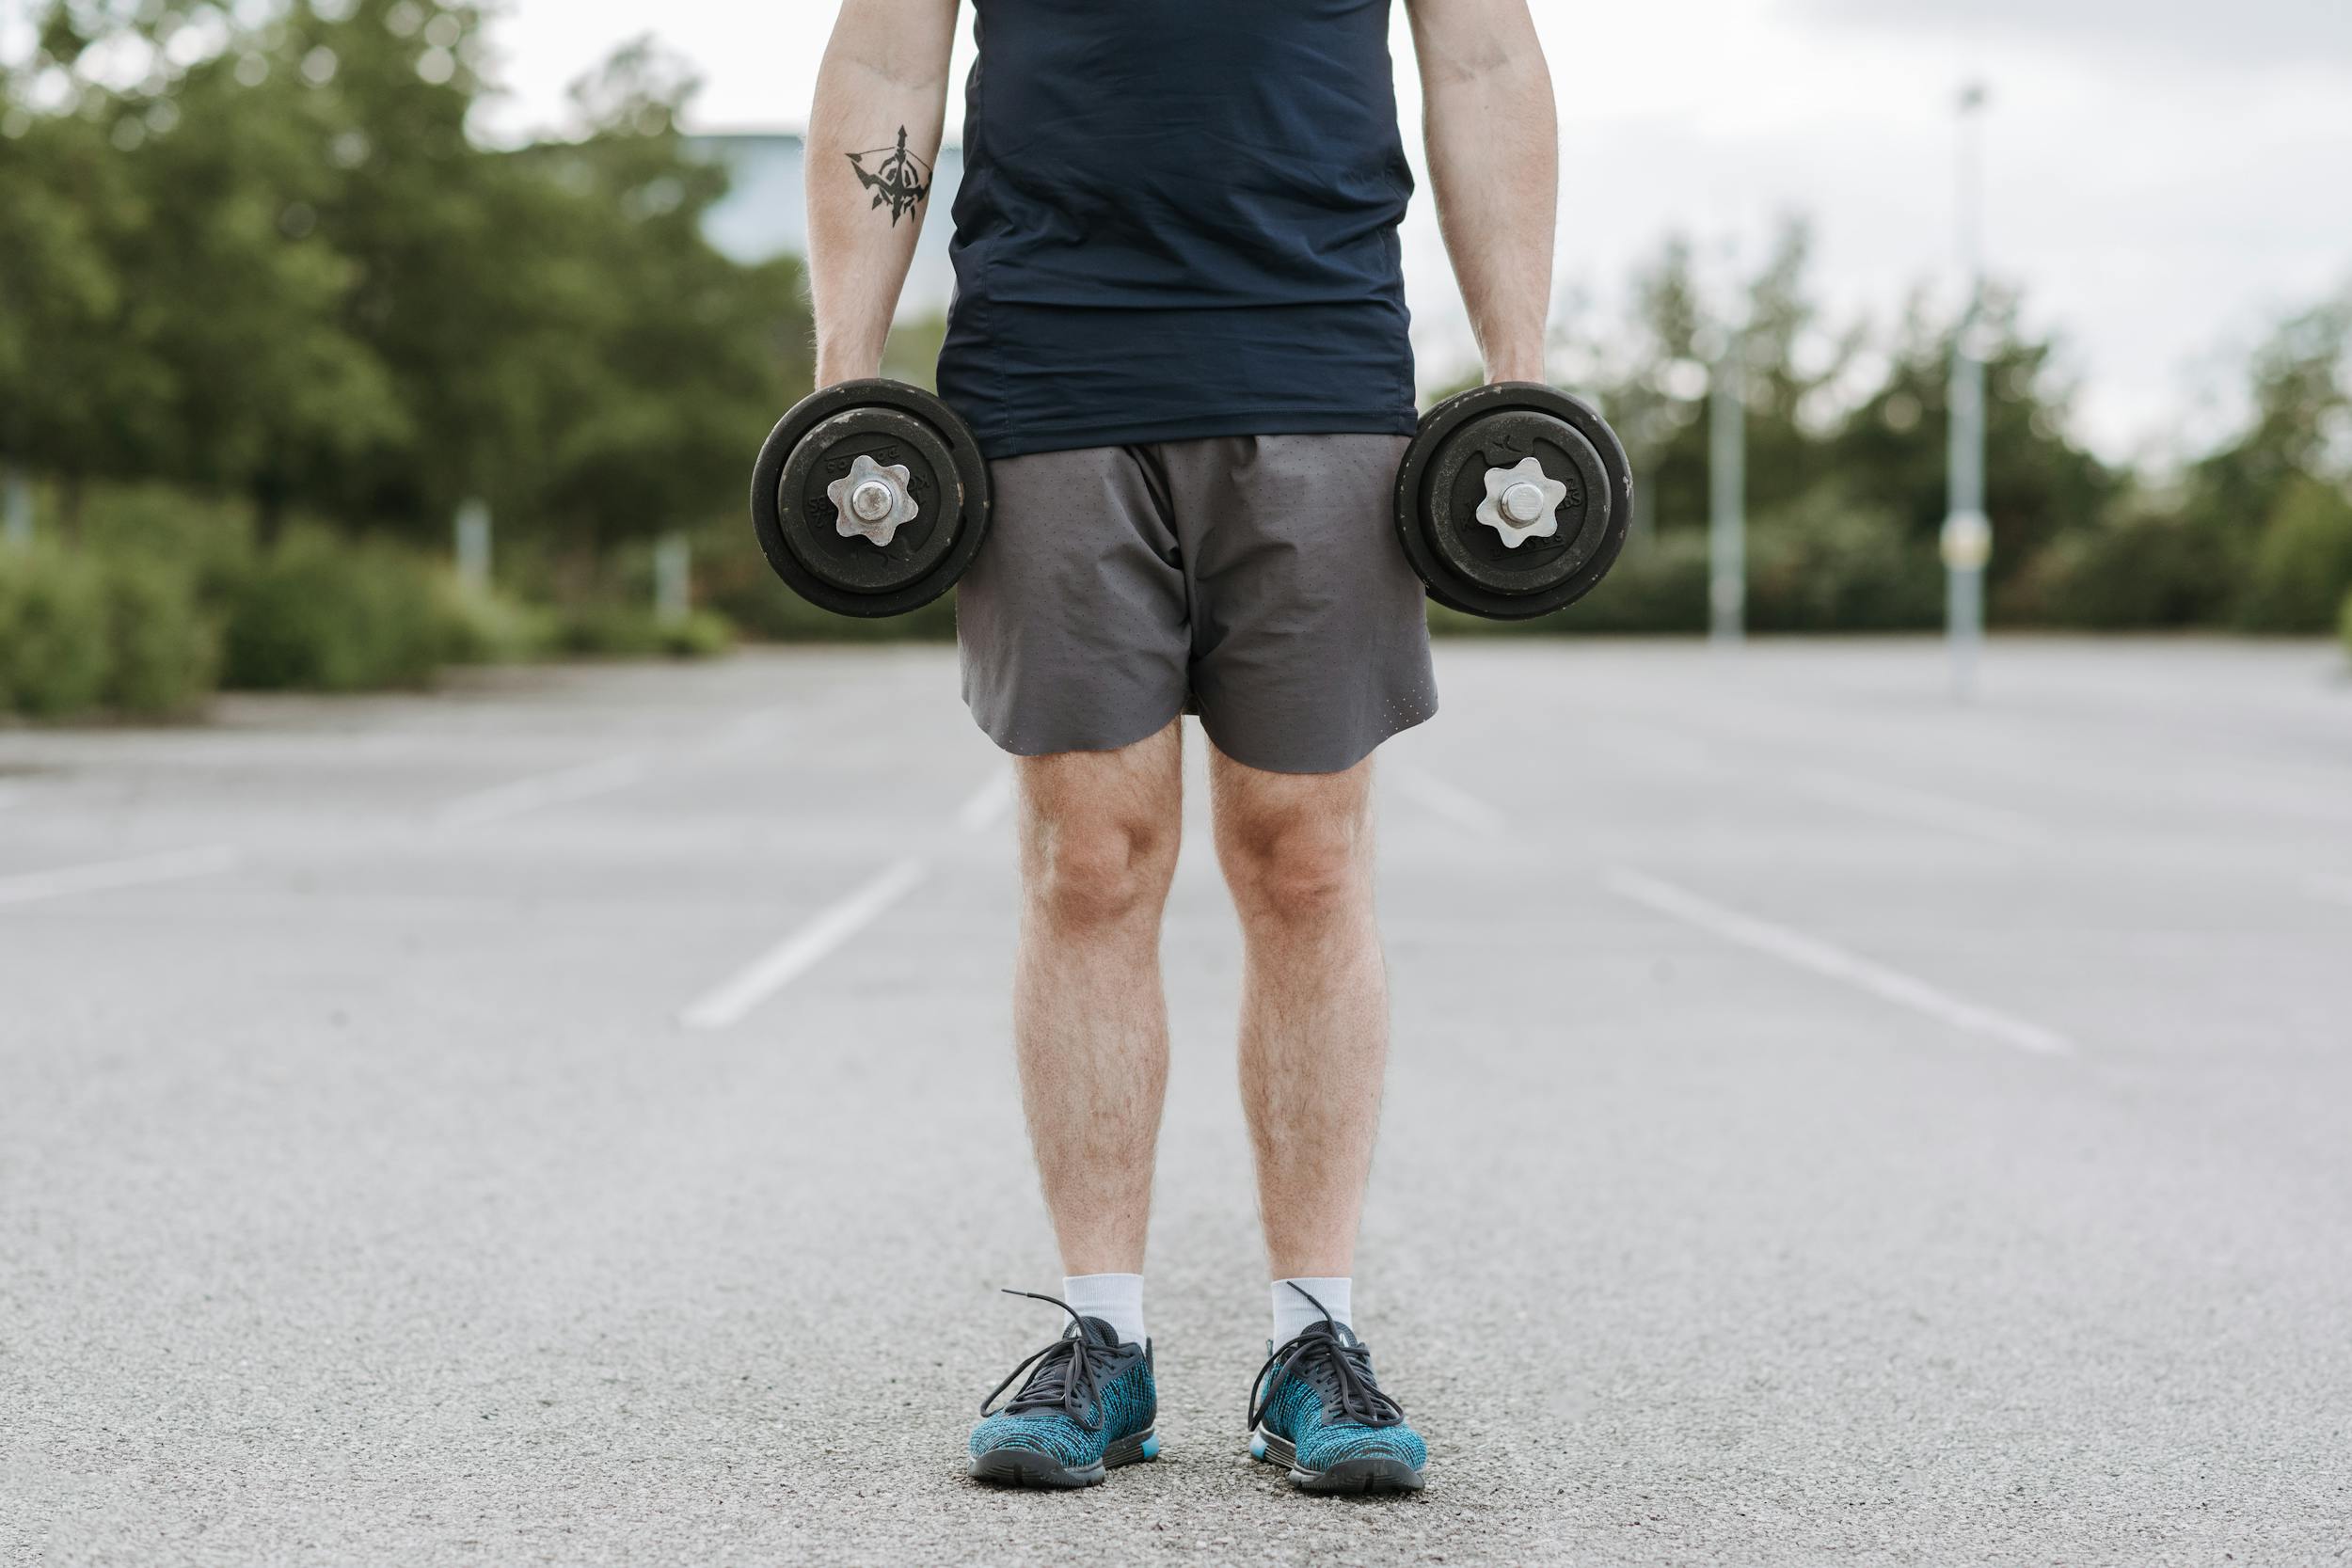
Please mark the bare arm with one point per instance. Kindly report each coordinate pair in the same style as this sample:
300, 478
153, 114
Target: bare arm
882, 96
1494, 165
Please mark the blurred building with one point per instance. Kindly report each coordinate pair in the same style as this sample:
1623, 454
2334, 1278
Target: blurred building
765, 212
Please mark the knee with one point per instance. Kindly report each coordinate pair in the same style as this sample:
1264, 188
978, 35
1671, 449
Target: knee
1297, 872
1093, 873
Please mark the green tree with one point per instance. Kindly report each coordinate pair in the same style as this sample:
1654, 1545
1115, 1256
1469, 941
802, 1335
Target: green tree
84, 388
1653, 375
2301, 567
675, 360
283, 268
277, 393
174, 320
1892, 449
1649, 374
2299, 389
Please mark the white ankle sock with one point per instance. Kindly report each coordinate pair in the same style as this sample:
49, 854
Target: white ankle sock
1294, 1312
1115, 1298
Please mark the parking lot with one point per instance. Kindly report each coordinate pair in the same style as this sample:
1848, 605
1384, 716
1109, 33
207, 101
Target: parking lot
570, 1118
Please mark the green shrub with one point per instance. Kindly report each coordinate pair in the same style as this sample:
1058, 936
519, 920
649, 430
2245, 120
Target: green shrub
735, 579
617, 631
2343, 623
2148, 567
607, 631
53, 633
1658, 584
773, 613
482, 625
705, 634
164, 651
330, 614
2302, 565
79, 632
207, 539
1823, 563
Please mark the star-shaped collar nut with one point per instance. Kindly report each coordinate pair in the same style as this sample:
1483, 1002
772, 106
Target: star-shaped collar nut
873, 499
1523, 502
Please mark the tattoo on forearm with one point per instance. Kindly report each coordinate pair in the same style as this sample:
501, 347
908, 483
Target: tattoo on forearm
897, 178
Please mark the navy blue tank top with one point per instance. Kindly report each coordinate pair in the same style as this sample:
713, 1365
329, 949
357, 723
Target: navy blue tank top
1178, 219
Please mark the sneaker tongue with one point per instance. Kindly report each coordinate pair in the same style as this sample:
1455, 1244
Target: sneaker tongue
1102, 1333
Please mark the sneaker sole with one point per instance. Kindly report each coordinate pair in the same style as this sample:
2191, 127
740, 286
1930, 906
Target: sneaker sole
1028, 1467
1370, 1473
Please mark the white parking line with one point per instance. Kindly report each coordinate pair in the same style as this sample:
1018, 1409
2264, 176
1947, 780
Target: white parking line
796, 954
1458, 806
1834, 962
1922, 807
174, 865
500, 802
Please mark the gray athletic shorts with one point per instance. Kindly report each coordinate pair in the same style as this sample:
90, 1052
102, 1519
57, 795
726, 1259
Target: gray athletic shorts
1255, 579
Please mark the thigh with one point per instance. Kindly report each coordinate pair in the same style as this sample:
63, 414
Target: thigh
1265, 817
1310, 631
1071, 622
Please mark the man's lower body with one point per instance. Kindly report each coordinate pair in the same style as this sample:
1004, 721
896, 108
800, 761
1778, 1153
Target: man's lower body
1253, 580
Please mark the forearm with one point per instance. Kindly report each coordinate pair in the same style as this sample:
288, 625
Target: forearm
884, 78
1494, 167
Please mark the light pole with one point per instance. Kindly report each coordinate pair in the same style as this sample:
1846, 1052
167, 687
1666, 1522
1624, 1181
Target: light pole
1726, 495
1727, 473
473, 545
1968, 539
16, 507
673, 579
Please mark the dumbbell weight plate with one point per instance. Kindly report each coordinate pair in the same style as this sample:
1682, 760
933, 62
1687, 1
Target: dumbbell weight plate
896, 426
1503, 441
1469, 564
853, 561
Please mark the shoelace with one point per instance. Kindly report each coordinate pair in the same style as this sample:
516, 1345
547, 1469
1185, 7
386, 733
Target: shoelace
1330, 1356
1070, 1373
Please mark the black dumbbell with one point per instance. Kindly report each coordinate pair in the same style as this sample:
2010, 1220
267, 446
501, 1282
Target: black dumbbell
1513, 500
870, 498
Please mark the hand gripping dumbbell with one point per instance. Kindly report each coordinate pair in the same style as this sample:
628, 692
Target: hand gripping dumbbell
1513, 500
870, 498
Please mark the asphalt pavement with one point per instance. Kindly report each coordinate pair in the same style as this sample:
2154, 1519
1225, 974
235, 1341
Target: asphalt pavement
570, 1118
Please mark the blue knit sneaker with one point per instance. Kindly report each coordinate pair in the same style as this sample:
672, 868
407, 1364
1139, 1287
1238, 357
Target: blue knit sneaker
1316, 1408
1086, 1408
